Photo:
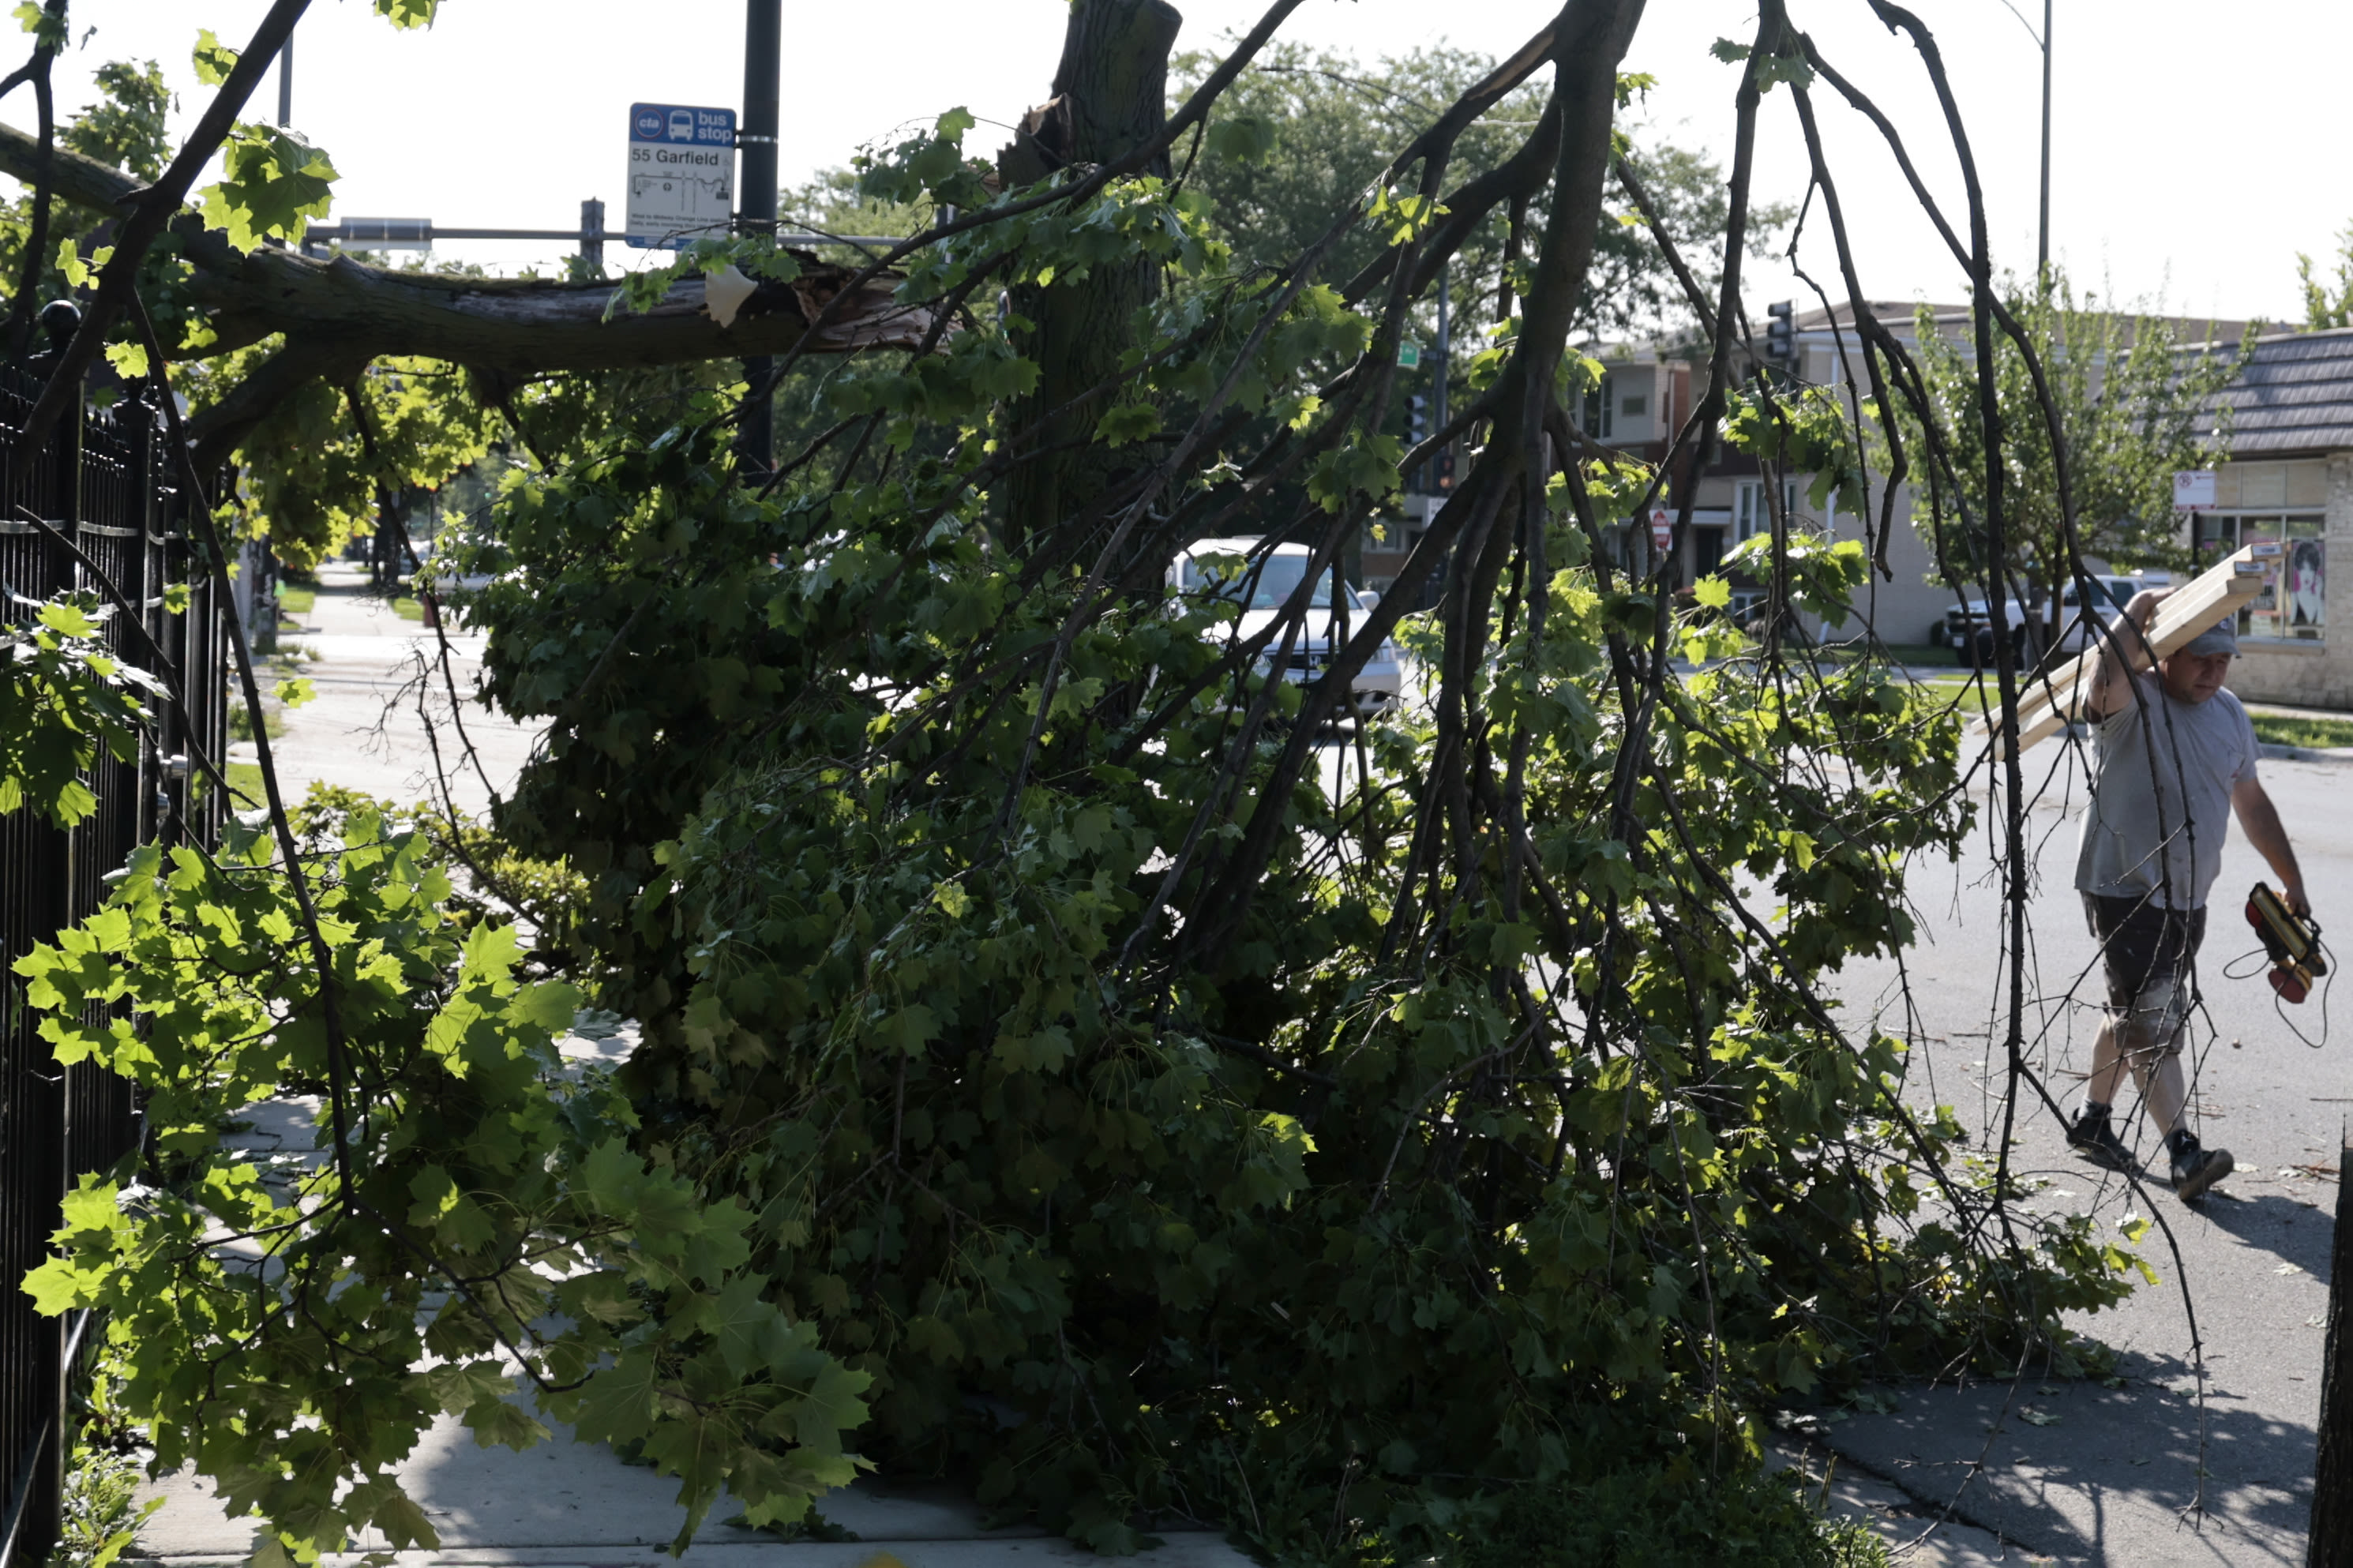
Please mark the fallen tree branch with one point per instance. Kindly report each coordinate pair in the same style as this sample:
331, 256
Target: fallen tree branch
340, 310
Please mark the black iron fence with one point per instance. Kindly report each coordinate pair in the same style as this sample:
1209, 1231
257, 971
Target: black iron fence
104, 484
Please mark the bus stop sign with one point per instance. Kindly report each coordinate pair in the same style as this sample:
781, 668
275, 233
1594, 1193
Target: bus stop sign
682, 174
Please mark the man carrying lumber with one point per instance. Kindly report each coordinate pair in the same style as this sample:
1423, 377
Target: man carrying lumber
2176, 757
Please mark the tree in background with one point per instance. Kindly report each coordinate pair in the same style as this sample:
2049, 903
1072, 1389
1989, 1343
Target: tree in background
2135, 393
1303, 132
2329, 305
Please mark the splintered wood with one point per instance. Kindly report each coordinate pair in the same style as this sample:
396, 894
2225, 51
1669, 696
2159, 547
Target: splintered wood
2048, 703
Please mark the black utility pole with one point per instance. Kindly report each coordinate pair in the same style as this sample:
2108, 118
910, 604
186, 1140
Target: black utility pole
286, 80
755, 196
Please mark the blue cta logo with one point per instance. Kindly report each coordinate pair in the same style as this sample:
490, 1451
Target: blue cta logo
649, 123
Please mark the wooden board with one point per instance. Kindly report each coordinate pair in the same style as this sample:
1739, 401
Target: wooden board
2049, 703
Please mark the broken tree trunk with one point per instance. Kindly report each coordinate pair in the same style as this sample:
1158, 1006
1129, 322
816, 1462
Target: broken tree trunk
338, 314
2330, 1543
1110, 93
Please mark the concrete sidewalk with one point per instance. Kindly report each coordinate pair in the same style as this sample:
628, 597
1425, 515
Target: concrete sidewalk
363, 729
566, 1504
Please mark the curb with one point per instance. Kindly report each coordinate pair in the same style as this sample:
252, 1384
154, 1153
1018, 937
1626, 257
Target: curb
2271, 753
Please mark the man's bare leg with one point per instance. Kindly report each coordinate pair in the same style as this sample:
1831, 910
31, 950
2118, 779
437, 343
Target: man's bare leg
2163, 1092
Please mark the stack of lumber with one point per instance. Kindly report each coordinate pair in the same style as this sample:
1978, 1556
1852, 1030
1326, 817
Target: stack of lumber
2048, 703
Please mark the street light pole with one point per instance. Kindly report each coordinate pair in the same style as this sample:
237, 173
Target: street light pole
2043, 229
755, 200
286, 80
2042, 236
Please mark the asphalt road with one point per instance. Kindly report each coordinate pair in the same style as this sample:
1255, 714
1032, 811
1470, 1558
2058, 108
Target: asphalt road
2192, 1459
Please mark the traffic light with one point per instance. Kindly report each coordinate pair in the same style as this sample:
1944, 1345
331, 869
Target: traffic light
1445, 467
1781, 335
1416, 431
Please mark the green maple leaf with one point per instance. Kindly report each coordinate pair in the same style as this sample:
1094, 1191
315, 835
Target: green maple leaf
736, 1318
619, 1404
274, 181
214, 60
57, 1287
501, 1423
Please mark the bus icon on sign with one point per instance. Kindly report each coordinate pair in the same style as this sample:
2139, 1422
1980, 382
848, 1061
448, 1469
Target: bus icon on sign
650, 124
681, 125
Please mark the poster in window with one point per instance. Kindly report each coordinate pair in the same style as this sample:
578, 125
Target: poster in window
2307, 587
2262, 618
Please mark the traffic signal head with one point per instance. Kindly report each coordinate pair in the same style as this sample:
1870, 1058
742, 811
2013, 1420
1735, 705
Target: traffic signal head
1416, 419
1780, 334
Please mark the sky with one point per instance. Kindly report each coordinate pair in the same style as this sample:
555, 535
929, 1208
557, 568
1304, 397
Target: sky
2166, 184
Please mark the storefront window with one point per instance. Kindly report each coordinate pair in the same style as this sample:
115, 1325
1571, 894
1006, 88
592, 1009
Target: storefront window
2293, 605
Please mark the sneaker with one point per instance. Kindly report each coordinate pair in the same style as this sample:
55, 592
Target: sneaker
2196, 1169
2095, 1139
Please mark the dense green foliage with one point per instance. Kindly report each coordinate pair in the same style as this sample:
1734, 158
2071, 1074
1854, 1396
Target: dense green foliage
63, 697
1667, 1521
1584, 1174
271, 1315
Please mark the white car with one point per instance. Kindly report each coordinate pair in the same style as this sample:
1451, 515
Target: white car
1968, 629
1263, 581
2111, 591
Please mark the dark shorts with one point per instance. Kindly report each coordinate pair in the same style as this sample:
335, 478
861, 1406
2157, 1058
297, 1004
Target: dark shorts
2148, 951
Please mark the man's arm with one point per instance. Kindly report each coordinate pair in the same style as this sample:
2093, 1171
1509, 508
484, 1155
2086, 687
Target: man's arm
2123, 649
2261, 820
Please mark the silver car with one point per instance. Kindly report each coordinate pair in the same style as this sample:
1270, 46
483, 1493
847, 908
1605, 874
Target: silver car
1264, 583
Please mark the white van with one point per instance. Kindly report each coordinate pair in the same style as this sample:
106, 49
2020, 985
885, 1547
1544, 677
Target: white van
1264, 583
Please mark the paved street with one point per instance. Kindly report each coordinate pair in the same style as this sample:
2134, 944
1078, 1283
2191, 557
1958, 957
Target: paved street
2079, 1472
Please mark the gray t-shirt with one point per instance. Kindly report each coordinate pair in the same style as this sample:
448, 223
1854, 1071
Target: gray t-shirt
2139, 841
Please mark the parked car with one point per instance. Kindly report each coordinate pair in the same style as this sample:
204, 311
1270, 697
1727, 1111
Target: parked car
1968, 629
2111, 591
1227, 568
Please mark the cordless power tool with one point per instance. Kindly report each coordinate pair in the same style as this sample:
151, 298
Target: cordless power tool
2291, 940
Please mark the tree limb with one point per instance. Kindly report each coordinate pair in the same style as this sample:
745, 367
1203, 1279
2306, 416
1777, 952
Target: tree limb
516, 326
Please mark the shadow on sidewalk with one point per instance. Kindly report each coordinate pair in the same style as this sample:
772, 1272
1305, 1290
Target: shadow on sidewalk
2113, 1477
2290, 1230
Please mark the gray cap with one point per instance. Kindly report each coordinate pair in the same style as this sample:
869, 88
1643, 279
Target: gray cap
2222, 637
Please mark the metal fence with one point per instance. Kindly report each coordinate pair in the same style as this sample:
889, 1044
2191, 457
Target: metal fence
104, 482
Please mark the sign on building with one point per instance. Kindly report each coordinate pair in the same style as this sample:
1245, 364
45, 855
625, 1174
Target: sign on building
1662, 530
2194, 490
682, 174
